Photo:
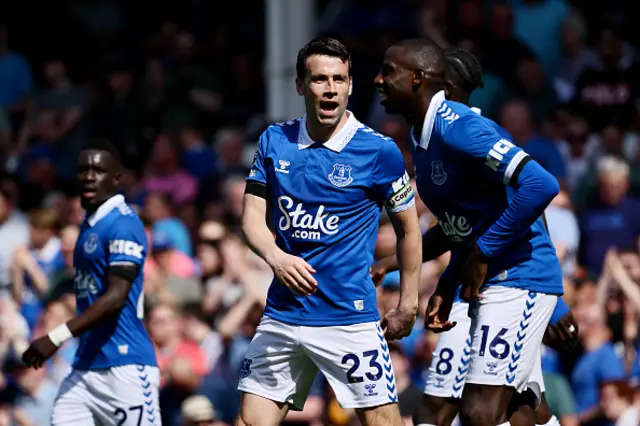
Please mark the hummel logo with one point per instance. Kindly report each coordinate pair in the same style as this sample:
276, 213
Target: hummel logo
283, 166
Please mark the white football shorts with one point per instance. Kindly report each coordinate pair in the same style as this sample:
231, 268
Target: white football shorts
507, 326
118, 396
283, 360
451, 357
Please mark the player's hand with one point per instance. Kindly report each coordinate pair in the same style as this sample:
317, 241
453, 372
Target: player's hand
563, 335
398, 323
474, 271
295, 273
39, 352
377, 272
438, 310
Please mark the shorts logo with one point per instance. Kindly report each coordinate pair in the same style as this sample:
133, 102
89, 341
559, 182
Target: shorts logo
438, 175
245, 370
371, 389
91, 243
491, 368
340, 176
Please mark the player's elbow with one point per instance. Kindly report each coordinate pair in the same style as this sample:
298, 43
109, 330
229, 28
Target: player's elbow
535, 178
550, 187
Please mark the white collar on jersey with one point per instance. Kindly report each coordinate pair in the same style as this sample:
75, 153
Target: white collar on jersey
105, 209
476, 110
337, 142
429, 120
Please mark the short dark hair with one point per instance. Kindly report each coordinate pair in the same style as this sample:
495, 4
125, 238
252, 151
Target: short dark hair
425, 54
321, 46
105, 145
463, 69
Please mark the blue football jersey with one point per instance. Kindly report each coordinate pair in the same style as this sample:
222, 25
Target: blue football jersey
325, 201
463, 165
113, 235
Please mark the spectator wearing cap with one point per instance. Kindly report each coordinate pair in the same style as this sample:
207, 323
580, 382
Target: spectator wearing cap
159, 209
197, 410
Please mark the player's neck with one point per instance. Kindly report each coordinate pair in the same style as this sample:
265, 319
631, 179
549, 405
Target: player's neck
418, 113
321, 134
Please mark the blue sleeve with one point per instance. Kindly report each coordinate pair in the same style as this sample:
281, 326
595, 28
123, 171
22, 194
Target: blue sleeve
258, 170
391, 180
555, 162
25, 82
535, 189
127, 242
490, 154
612, 367
561, 310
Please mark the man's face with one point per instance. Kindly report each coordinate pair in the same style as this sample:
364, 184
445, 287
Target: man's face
395, 81
97, 175
326, 88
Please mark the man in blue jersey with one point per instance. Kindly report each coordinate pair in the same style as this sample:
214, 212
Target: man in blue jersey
451, 356
488, 197
323, 179
114, 380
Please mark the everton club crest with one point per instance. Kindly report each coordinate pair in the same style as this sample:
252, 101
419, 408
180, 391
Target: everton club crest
438, 175
340, 176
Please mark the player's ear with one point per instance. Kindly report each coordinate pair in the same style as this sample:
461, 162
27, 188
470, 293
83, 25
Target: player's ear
350, 86
418, 78
299, 87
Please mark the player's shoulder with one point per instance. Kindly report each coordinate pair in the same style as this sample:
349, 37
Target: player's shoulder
124, 216
377, 143
282, 132
459, 124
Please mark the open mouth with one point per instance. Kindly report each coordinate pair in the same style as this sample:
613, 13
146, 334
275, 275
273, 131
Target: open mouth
89, 192
328, 107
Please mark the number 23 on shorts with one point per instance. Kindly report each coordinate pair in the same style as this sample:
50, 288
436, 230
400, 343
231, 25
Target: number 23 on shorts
375, 369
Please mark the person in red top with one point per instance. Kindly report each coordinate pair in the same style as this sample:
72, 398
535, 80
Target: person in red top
181, 361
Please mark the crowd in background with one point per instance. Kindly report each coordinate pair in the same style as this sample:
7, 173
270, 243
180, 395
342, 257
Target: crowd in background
179, 86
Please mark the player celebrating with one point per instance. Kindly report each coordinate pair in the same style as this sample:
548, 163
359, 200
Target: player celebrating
114, 380
488, 197
448, 367
324, 178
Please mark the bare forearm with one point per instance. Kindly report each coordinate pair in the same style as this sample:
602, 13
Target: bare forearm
258, 236
105, 307
409, 256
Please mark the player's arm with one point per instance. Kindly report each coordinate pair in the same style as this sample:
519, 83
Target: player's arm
291, 271
500, 160
393, 185
434, 244
126, 255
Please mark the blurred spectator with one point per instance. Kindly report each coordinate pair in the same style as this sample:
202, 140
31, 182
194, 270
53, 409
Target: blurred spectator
36, 394
607, 93
576, 57
564, 231
612, 219
159, 209
538, 23
197, 410
14, 233
617, 404
409, 396
15, 84
516, 118
165, 173
198, 329
599, 363
506, 49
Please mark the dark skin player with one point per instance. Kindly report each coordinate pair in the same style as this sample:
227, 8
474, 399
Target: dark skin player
412, 73
98, 173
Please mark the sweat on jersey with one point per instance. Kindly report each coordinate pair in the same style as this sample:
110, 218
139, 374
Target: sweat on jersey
112, 235
482, 188
325, 201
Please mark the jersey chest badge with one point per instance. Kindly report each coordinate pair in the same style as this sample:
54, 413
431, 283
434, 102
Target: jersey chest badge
91, 243
438, 175
340, 176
